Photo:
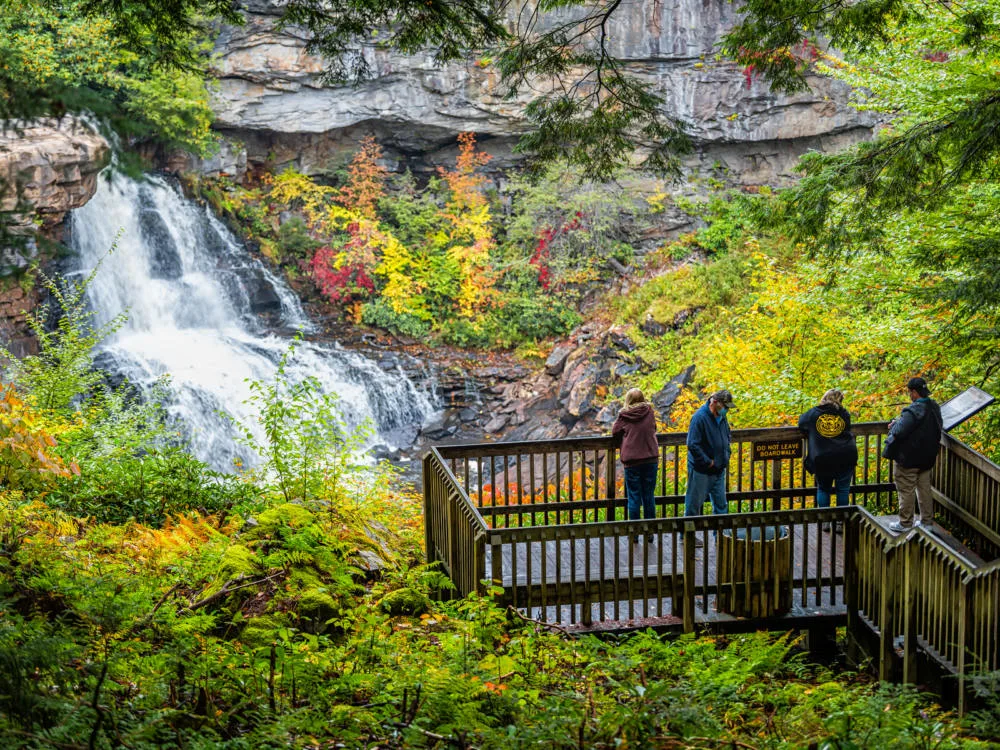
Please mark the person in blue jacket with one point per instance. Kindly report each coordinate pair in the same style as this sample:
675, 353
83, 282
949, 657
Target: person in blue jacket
708, 455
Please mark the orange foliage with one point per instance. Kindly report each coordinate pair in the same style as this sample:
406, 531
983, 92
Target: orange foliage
365, 181
25, 456
471, 238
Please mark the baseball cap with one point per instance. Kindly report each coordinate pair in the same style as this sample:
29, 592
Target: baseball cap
724, 397
917, 384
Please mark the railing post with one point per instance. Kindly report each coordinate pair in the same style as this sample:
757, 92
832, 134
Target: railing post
963, 613
496, 555
480, 562
689, 567
428, 510
910, 575
886, 635
451, 543
609, 483
852, 529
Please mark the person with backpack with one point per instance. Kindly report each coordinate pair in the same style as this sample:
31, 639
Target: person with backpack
636, 426
913, 443
832, 453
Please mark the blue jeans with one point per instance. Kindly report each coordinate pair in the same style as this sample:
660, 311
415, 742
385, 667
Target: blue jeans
702, 486
825, 484
640, 486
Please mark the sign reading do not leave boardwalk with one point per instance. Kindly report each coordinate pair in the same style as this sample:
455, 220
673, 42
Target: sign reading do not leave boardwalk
767, 450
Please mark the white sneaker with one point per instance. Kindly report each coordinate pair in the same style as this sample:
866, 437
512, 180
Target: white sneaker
898, 528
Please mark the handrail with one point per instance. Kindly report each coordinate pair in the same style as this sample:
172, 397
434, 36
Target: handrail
463, 497
667, 523
662, 438
980, 461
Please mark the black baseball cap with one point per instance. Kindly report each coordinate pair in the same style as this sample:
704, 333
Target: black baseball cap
917, 384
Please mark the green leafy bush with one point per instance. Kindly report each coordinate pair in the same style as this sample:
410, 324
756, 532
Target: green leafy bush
379, 313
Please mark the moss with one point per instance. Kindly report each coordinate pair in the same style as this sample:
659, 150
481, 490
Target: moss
237, 560
405, 601
286, 514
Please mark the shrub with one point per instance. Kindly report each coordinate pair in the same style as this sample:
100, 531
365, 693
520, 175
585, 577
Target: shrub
380, 313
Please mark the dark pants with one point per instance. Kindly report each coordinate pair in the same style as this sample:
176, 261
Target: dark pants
826, 483
640, 486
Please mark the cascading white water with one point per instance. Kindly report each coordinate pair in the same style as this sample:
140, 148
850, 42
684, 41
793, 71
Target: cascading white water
202, 310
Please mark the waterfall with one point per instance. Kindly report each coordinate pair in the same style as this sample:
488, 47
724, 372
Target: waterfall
205, 313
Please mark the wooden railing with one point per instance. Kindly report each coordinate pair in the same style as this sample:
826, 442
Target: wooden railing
915, 594
586, 573
967, 492
571, 481
455, 533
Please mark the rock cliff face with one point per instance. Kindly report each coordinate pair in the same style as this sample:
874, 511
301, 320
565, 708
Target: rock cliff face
47, 168
271, 97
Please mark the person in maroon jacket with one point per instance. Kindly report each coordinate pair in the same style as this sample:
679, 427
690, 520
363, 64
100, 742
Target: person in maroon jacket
636, 426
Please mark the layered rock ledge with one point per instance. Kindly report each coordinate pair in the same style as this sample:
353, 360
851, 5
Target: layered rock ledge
271, 96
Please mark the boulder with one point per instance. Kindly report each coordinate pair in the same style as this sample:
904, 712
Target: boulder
581, 395
684, 316
622, 369
496, 424
446, 425
557, 359
621, 342
664, 398
607, 416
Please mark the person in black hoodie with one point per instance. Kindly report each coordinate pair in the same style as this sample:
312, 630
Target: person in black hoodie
913, 443
833, 454
636, 426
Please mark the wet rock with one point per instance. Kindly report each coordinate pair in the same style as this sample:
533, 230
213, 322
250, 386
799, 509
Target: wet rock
606, 416
445, 425
263, 298
621, 341
557, 359
664, 398
468, 414
385, 453
496, 424
164, 261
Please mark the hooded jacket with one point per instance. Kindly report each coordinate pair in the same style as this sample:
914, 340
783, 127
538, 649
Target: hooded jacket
832, 450
915, 437
637, 428
708, 442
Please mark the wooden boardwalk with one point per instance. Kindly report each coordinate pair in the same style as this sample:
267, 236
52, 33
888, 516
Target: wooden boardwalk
543, 520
